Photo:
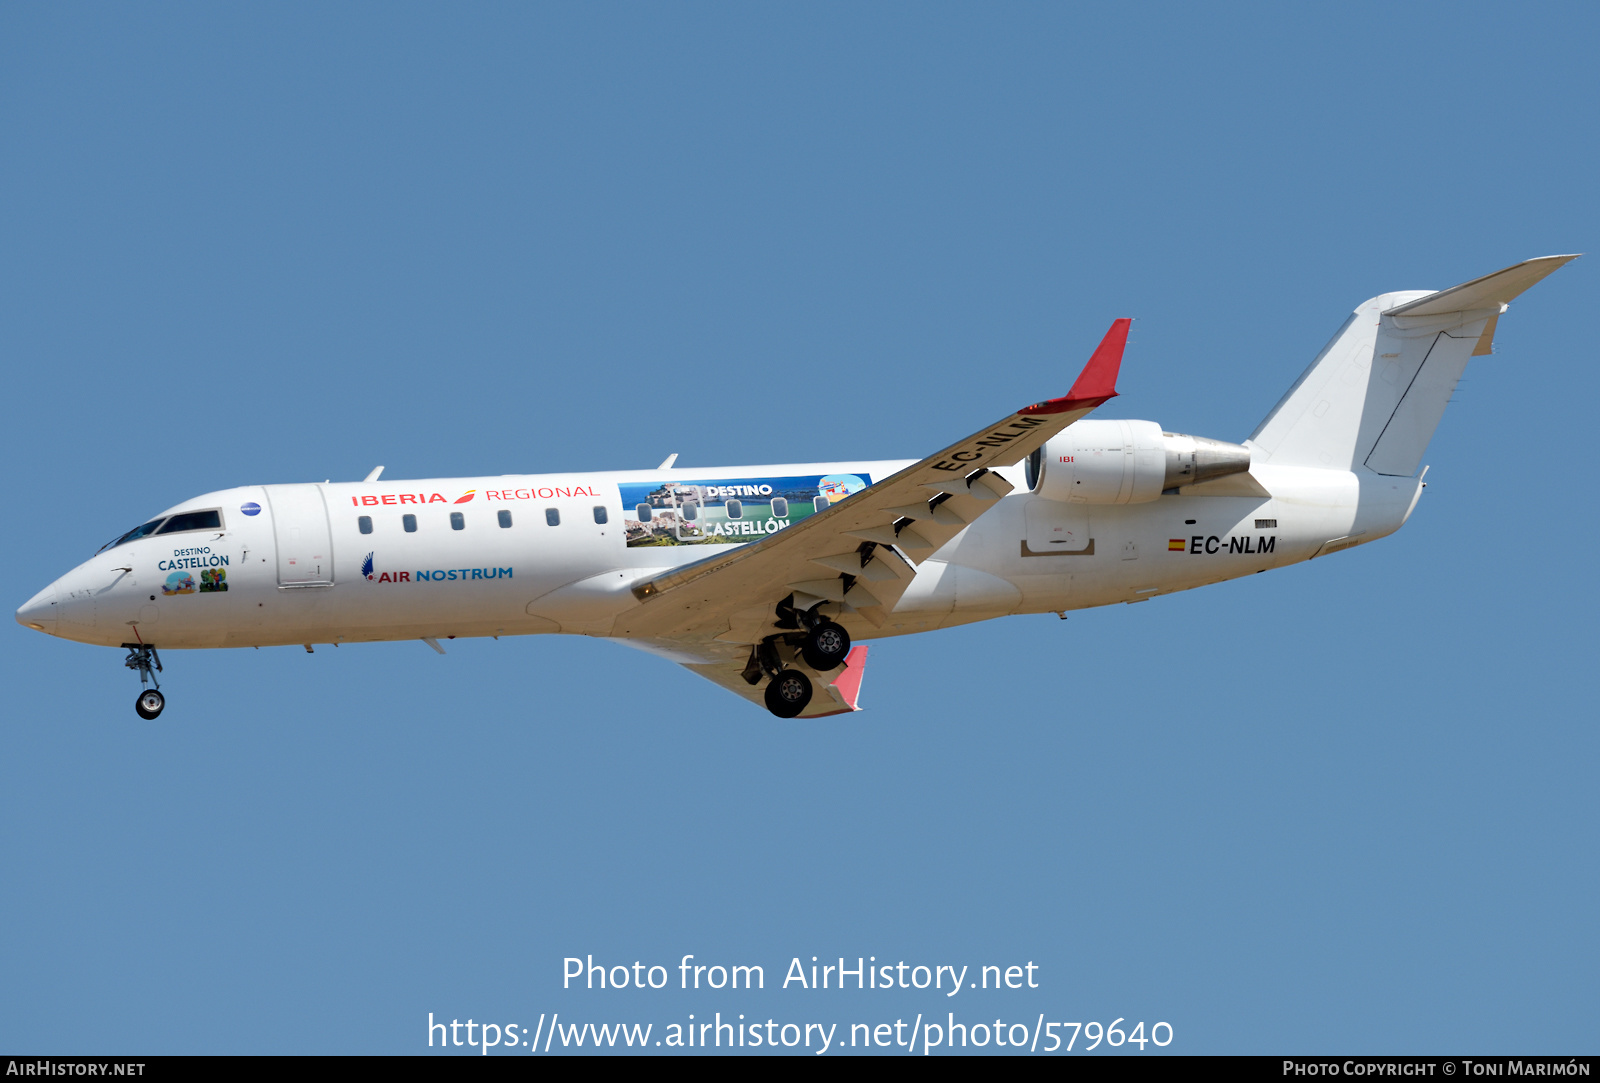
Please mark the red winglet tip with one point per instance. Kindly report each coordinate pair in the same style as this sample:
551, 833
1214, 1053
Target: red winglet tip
849, 682
1098, 380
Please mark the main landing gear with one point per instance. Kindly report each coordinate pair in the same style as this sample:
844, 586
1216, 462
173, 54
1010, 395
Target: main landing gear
822, 645
143, 657
788, 693
826, 645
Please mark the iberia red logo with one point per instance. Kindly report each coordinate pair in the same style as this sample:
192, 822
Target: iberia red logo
369, 500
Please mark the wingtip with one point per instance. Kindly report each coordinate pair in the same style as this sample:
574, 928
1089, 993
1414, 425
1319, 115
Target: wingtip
1097, 383
1098, 380
848, 683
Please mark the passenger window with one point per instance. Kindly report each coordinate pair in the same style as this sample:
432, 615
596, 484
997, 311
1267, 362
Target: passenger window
365, 523
820, 503
691, 512
505, 518
552, 516
641, 510
735, 509
409, 522
780, 507
458, 521
600, 515
193, 520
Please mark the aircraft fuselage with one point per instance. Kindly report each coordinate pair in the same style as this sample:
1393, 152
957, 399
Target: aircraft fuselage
492, 556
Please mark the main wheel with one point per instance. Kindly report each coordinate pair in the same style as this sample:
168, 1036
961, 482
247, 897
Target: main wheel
788, 693
825, 648
149, 703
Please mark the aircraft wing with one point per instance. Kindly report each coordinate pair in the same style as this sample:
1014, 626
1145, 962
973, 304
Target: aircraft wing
862, 552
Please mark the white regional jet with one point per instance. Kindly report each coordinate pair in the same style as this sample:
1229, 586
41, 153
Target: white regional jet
761, 577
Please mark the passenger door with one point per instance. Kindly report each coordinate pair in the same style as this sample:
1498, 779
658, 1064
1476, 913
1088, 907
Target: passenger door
300, 528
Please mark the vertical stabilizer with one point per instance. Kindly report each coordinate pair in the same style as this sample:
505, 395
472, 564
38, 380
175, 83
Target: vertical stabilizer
1374, 395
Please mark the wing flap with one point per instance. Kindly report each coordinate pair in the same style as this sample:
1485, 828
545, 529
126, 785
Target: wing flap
831, 589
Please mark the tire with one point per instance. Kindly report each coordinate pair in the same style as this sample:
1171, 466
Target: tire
149, 704
788, 693
826, 647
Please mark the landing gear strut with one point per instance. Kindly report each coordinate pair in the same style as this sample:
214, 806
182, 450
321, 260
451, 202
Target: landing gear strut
821, 643
788, 691
143, 657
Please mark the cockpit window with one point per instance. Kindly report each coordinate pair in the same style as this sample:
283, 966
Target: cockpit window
133, 535
193, 520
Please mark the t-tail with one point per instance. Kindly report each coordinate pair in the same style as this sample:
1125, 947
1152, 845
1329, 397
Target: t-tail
1372, 398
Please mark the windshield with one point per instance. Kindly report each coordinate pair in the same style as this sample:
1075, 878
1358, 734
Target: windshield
137, 532
193, 520
210, 519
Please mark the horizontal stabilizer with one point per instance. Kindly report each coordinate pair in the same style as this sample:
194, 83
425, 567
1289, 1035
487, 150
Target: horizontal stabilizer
1375, 394
1490, 291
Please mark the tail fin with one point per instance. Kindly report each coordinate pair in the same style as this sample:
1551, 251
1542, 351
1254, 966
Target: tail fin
1376, 392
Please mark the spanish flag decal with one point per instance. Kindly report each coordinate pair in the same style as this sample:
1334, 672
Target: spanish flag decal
1176, 545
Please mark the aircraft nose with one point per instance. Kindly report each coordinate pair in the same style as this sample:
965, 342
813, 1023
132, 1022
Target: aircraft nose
39, 612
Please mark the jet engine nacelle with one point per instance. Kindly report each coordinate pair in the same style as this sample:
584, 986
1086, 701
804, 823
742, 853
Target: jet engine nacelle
1127, 462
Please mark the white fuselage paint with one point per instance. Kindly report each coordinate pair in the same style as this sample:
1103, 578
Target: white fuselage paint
290, 583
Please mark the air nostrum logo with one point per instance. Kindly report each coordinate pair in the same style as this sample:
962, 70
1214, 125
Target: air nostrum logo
436, 575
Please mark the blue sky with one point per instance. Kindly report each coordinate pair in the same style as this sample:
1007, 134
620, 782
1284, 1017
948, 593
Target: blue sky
1346, 806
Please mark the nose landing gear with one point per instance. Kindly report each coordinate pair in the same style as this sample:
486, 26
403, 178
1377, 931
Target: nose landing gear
143, 657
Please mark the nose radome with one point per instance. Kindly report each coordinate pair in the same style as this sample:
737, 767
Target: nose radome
39, 612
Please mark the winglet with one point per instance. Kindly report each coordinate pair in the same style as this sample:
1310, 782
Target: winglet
1098, 380
846, 688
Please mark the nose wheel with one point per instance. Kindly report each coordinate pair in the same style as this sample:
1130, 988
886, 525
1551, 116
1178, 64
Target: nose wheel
143, 658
